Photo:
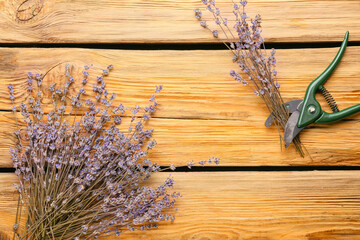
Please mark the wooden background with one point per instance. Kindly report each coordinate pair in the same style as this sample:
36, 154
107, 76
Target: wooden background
258, 191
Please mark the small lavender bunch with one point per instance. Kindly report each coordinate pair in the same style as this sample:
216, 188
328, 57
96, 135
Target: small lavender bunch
248, 50
80, 175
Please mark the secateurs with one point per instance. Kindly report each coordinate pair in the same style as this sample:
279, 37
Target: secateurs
307, 111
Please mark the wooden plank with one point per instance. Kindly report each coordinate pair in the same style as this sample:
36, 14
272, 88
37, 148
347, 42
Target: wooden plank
237, 143
197, 85
87, 21
247, 205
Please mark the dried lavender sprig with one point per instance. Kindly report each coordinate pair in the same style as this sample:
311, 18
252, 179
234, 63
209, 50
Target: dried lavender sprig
86, 178
248, 49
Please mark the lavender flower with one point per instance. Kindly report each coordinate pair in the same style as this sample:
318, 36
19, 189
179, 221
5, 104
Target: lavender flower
190, 164
215, 33
197, 14
248, 49
203, 24
158, 88
172, 167
86, 176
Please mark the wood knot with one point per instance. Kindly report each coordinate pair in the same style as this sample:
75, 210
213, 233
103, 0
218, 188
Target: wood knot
28, 9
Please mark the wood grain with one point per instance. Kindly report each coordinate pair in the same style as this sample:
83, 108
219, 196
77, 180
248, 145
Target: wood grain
196, 83
247, 205
200, 96
121, 21
237, 143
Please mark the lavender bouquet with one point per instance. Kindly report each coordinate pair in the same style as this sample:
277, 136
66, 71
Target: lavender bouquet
248, 51
81, 176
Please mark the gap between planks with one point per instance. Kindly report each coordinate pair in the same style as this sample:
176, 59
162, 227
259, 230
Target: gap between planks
173, 46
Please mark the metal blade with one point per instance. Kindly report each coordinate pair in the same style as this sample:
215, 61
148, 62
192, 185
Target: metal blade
269, 120
291, 129
291, 106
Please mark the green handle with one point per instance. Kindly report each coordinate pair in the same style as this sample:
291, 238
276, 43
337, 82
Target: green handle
332, 117
311, 109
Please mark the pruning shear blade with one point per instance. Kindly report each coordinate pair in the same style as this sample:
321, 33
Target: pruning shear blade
291, 128
291, 107
307, 111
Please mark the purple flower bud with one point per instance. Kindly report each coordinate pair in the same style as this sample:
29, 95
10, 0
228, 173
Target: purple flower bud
117, 119
80, 188
15, 227
243, 3
190, 164
198, 14
215, 33
84, 228
52, 87
37, 76
225, 22
158, 88
203, 24
105, 93
113, 96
